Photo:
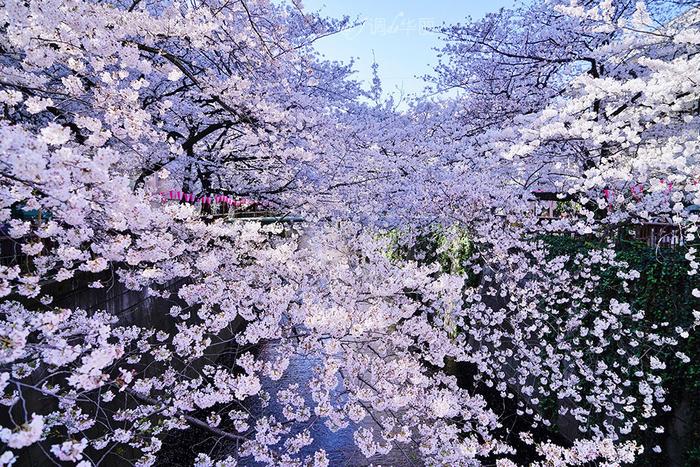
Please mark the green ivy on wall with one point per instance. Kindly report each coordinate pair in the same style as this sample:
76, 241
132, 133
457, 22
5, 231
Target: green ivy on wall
663, 291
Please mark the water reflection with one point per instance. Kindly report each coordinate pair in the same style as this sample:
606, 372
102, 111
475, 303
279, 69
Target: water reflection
339, 446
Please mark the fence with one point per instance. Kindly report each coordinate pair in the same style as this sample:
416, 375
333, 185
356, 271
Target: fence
659, 234
654, 234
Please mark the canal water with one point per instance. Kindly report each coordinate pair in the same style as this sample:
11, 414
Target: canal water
339, 446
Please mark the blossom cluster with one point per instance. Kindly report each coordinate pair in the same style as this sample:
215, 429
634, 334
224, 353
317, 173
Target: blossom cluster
106, 104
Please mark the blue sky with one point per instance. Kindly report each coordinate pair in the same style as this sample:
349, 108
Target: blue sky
394, 30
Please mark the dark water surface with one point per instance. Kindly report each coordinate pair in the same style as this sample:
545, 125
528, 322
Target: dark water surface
339, 446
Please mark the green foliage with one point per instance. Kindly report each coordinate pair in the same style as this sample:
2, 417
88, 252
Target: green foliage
451, 249
664, 292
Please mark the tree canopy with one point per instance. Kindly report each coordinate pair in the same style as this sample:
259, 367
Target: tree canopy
422, 244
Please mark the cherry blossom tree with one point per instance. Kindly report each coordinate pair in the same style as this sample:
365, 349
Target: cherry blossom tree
596, 105
106, 104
